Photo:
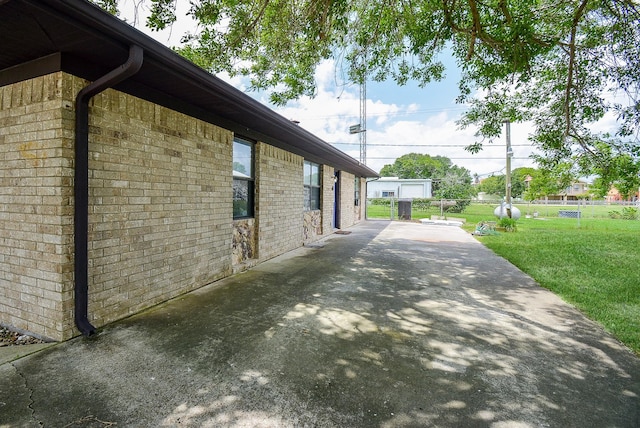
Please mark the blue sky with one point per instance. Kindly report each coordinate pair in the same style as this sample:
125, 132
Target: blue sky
400, 120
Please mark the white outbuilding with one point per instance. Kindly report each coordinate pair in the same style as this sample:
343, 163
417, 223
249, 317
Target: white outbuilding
394, 187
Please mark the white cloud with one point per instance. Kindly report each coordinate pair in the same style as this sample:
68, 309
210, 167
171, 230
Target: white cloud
401, 128
395, 130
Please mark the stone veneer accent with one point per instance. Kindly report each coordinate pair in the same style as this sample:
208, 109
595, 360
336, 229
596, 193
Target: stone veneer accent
244, 243
312, 229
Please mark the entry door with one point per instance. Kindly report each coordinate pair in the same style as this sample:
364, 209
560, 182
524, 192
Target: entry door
336, 200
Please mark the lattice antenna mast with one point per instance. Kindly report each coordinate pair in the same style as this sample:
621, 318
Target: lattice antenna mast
363, 121
361, 127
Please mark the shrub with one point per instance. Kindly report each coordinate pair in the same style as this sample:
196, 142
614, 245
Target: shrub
421, 204
629, 213
509, 224
426, 204
385, 202
450, 205
460, 205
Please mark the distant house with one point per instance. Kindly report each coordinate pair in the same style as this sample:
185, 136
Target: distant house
573, 192
129, 176
614, 196
394, 187
576, 189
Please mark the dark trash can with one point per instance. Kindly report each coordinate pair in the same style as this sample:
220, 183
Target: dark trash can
404, 209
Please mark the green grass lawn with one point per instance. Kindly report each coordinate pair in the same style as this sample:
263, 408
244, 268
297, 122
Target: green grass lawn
484, 211
595, 267
594, 264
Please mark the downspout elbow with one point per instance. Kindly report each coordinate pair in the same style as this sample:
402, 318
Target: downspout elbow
81, 182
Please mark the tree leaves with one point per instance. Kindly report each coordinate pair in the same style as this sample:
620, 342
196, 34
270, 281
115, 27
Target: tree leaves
110, 6
415, 165
563, 65
162, 14
566, 90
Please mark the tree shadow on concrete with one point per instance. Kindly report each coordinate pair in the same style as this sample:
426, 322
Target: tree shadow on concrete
408, 333
371, 329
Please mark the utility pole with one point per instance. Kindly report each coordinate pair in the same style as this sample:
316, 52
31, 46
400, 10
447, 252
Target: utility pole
508, 177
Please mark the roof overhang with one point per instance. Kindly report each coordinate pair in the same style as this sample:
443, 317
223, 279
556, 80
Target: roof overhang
39, 37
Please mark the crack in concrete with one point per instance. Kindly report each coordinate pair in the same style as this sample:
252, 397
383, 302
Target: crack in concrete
31, 401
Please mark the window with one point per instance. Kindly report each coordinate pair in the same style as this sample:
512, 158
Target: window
386, 194
243, 178
311, 186
356, 191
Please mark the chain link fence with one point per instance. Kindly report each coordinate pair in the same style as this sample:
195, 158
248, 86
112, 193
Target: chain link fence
419, 208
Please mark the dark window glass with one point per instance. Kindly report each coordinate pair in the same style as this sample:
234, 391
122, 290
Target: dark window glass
311, 186
243, 178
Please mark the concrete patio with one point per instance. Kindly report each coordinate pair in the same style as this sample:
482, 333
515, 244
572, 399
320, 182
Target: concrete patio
393, 325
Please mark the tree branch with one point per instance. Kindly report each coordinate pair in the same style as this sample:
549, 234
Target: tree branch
251, 26
570, 70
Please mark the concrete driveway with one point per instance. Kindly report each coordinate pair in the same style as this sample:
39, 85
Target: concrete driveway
392, 325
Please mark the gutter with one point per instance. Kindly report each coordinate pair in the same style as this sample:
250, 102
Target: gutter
81, 181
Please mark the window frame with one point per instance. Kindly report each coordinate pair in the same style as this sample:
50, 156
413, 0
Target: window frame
312, 191
246, 180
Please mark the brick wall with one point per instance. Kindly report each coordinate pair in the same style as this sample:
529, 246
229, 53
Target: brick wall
36, 211
160, 204
346, 200
361, 209
279, 200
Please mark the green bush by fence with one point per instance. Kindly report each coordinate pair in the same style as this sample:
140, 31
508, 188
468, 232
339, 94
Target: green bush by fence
483, 210
432, 205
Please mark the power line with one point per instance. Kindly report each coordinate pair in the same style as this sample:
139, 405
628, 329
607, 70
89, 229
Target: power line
390, 114
427, 145
458, 158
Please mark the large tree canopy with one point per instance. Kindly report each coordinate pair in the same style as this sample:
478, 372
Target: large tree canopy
562, 64
496, 184
415, 165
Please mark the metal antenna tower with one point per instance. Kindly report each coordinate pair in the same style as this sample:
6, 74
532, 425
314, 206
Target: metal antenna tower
363, 121
361, 128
